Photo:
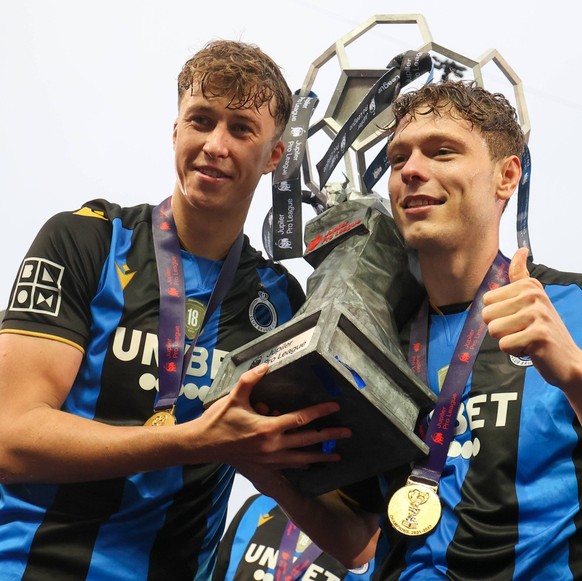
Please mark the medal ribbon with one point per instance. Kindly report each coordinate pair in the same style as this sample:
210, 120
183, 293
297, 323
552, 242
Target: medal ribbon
173, 361
285, 569
441, 428
523, 202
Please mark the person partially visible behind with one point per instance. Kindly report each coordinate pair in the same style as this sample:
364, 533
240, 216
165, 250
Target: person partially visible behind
252, 545
88, 490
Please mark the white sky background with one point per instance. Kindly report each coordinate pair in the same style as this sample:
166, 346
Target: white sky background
88, 98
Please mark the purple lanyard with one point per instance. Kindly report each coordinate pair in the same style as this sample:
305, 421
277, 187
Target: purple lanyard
173, 361
286, 570
441, 428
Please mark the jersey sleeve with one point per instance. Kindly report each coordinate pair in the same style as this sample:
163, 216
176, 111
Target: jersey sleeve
59, 277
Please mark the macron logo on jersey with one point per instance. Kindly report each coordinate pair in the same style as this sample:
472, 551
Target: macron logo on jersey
125, 274
38, 287
264, 518
90, 213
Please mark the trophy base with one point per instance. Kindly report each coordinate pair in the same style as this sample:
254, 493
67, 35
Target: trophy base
325, 356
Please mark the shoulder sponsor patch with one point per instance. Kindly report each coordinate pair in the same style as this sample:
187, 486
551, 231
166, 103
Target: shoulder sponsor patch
38, 287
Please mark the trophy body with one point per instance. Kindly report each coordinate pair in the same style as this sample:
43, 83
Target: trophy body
343, 345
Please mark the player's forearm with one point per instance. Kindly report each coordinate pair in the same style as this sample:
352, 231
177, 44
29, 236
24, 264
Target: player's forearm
46, 445
339, 530
347, 534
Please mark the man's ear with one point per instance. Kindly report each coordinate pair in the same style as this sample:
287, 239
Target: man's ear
174, 131
275, 158
509, 176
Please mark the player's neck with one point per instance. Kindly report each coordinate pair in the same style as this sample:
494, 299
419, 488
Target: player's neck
455, 277
206, 234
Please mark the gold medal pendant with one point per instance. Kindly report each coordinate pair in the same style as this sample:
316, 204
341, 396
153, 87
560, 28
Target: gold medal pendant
162, 418
415, 509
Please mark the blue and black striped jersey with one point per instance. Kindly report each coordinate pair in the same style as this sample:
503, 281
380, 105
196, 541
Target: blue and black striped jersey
90, 279
250, 548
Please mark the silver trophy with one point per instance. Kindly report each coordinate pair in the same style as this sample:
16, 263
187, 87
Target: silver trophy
343, 344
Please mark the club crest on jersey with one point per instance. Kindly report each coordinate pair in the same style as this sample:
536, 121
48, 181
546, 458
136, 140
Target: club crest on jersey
262, 313
38, 288
524, 361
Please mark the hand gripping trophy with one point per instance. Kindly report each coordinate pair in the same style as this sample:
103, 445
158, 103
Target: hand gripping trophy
343, 343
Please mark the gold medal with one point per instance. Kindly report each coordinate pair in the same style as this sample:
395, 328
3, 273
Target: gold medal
162, 418
415, 509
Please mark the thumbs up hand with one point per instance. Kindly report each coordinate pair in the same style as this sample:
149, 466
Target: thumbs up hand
522, 317
518, 266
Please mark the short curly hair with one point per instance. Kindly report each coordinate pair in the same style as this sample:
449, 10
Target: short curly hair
490, 112
242, 72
